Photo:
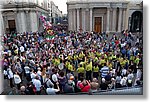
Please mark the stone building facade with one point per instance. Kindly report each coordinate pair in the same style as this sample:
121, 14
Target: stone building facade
24, 15
54, 12
98, 15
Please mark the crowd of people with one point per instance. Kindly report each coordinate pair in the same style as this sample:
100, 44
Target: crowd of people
72, 63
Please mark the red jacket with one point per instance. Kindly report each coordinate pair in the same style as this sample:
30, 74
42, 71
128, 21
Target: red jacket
84, 88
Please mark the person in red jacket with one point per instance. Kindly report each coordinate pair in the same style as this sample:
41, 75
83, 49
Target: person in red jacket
85, 86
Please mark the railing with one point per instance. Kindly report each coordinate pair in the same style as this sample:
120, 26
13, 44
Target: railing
104, 91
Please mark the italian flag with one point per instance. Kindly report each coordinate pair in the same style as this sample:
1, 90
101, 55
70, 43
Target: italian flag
50, 37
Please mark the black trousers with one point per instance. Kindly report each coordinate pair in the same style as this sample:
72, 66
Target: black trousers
18, 86
11, 82
95, 75
38, 92
88, 75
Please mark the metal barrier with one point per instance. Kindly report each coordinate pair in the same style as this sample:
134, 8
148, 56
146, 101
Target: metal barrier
130, 90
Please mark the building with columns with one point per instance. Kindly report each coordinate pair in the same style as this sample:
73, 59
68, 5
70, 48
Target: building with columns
98, 15
23, 15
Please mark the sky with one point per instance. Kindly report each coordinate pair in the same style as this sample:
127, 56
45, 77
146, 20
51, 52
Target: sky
61, 5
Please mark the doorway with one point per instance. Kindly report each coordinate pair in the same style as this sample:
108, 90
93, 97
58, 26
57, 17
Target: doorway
12, 25
136, 21
98, 24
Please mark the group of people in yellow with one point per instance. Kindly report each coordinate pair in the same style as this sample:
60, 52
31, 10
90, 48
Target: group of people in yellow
93, 62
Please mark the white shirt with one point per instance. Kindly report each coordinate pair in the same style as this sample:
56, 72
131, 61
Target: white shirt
39, 73
48, 82
10, 74
130, 76
33, 76
5, 72
123, 81
27, 69
17, 79
37, 84
51, 91
54, 78
61, 66
124, 72
138, 74
22, 49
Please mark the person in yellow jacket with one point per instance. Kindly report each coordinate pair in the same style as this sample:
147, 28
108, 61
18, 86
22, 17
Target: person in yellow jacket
71, 67
75, 60
109, 64
83, 63
137, 60
56, 61
80, 72
102, 61
66, 65
88, 70
95, 71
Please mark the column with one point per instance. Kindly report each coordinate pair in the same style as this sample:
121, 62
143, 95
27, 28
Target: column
83, 20
91, 19
16, 21
120, 20
1, 33
33, 21
124, 18
1, 24
71, 20
114, 19
28, 28
74, 19
108, 20
78, 20
23, 21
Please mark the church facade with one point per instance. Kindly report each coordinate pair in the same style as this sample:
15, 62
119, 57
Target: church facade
99, 15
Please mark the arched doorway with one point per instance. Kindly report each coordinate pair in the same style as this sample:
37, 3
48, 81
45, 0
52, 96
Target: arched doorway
136, 21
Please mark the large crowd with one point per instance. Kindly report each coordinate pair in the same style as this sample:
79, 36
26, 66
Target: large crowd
71, 63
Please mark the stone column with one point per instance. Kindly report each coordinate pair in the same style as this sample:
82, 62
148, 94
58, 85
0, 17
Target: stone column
78, 20
120, 20
74, 19
124, 19
1, 33
83, 20
108, 20
16, 21
1, 24
91, 19
33, 21
114, 19
23, 21
71, 20
28, 28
